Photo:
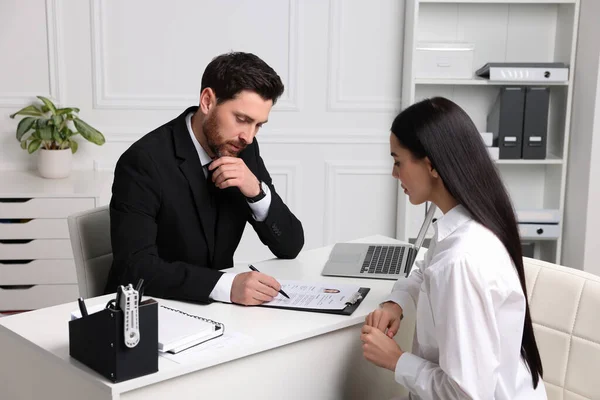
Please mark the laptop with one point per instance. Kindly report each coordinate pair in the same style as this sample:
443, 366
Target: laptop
376, 261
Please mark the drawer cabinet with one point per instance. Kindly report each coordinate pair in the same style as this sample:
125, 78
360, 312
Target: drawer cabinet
36, 259
42, 207
38, 228
36, 296
37, 272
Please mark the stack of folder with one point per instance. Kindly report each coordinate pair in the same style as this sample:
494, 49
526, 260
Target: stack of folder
519, 121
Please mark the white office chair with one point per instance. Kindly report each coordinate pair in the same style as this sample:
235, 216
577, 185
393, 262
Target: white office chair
565, 309
90, 239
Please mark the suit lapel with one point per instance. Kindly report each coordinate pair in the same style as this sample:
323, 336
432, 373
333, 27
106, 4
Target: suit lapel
192, 170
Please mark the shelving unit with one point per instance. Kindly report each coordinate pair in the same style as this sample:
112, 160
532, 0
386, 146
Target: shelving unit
501, 31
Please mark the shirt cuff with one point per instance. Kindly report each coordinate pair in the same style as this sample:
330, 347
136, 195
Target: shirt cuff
222, 290
403, 299
407, 369
260, 209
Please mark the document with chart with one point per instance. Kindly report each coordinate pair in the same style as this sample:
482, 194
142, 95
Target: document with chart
317, 296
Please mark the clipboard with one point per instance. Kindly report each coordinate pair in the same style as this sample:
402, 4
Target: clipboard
351, 306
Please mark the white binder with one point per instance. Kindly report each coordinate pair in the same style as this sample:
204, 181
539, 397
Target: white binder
525, 72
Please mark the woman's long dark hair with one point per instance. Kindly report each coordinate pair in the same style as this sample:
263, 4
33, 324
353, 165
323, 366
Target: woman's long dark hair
439, 129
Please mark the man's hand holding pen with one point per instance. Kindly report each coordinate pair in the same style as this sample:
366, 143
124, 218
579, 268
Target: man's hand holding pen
254, 288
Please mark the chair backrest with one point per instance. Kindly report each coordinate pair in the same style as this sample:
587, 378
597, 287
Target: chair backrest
90, 239
565, 310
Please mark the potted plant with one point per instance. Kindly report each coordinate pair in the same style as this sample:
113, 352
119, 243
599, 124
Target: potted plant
51, 130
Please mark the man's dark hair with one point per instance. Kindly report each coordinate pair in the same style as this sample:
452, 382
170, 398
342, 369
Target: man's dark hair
230, 73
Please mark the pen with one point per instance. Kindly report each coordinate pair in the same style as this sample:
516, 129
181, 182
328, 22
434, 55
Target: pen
280, 291
118, 297
82, 307
139, 285
140, 290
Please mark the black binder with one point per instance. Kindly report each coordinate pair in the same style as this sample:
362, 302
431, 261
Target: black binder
97, 341
350, 307
535, 124
505, 120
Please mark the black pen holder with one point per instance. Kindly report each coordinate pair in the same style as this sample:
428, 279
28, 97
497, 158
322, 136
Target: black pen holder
98, 342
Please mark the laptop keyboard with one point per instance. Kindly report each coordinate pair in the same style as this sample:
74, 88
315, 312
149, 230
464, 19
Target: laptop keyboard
383, 260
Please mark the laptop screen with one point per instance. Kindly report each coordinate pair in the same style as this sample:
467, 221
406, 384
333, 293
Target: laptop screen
425, 226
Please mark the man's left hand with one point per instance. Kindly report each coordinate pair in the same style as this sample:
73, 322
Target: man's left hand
379, 348
232, 171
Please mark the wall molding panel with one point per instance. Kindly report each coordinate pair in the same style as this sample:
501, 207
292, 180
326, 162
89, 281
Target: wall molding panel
333, 170
336, 100
54, 45
104, 99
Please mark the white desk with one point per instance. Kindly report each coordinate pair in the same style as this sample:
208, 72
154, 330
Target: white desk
292, 354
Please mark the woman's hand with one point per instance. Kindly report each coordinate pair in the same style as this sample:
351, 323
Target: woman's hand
380, 349
386, 318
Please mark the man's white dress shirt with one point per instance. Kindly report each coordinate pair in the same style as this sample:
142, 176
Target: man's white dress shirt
260, 210
470, 313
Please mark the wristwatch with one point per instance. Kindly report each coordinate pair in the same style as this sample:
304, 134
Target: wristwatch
261, 195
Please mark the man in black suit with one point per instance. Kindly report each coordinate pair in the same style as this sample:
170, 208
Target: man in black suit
183, 193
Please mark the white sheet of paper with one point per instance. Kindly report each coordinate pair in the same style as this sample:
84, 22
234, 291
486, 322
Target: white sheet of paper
313, 295
212, 348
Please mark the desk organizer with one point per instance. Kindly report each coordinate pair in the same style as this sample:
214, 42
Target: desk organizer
97, 341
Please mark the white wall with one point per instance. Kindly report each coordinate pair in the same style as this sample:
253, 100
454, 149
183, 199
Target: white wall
592, 236
582, 217
132, 66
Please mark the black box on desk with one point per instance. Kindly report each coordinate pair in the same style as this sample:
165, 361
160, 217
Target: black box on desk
98, 342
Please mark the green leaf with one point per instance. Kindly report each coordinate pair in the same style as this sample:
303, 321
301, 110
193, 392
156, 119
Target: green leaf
88, 132
23, 144
57, 120
24, 126
46, 133
29, 110
68, 110
36, 134
73, 145
33, 146
48, 104
26, 136
63, 127
56, 136
42, 122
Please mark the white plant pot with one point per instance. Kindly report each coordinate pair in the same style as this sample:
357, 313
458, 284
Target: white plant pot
54, 164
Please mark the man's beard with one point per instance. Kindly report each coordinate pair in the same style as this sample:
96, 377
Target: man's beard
211, 132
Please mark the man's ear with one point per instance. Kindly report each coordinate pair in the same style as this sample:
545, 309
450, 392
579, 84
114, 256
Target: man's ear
207, 100
432, 171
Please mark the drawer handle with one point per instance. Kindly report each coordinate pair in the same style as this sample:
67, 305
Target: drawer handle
15, 261
16, 287
16, 241
540, 231
15, 200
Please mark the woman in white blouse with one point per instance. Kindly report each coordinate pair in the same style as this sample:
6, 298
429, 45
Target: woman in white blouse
474, 338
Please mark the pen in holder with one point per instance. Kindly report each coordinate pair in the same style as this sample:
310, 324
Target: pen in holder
98, 341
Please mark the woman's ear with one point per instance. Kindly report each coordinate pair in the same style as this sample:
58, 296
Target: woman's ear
432, 171
207, 100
